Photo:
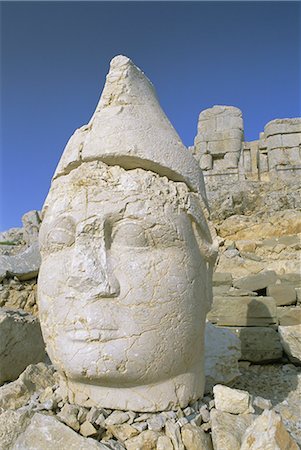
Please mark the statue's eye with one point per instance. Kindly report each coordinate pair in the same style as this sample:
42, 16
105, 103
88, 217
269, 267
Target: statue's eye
130, 234
61, 234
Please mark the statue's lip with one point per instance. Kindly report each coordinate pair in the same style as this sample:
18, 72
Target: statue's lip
99, 335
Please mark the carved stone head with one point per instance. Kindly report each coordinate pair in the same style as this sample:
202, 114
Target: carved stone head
125, 280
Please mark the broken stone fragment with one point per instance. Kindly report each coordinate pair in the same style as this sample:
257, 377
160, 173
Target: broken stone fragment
290, 337
194, 438
234, 401
268, 431
228, 429
46, 432
21, 343
256, 282
147, 439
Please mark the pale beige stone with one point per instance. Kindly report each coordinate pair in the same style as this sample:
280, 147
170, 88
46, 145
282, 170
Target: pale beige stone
194, 438
243, 311
46, 432
289, 315
283, 294
12, 424
21, 343
123, 431
291, 341
132, 201
256, 282
268, 432
87, 429
222, 352
234, 401
173, 431
164, 443
221, 279
147, 440
283, 126
228, 429
16, 394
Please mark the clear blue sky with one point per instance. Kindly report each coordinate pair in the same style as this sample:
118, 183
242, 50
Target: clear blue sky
55, 55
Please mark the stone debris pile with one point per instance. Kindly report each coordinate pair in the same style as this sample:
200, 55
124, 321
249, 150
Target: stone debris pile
36, 414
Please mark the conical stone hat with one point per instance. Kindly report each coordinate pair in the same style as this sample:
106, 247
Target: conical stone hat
129, 129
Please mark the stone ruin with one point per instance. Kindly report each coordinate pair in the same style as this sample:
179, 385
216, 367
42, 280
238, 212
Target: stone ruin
224, 156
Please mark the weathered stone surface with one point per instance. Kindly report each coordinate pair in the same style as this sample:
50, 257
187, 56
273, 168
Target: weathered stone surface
283, 126
243, 311
12, 424
221, 279
24, 265
284, 294
164, 443
268, 432
289, 315
123, 431
291, 341
172, 430
234, 401
256, 282
194, 438
258, 344
21, 343
222, 352
228, 429
46, 432
142, 188
16, 394
146, 440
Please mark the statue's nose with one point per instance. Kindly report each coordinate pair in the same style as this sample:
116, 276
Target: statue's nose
91, 271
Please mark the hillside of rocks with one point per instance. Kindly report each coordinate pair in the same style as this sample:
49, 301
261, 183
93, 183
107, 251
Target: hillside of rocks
253, 331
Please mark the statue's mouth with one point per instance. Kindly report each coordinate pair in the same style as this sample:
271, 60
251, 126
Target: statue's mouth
77, 334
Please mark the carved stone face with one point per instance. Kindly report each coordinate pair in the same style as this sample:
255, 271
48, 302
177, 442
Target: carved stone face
122, 285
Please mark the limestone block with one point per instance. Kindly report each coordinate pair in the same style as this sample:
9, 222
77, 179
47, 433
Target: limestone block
172, 430
256, 282
291, 341
263, 163
194, 438
231, 160
222, 352
284, 294
164, 443
290, 315
206, 162
12, 424
222, 279
274, 141
293, 155
16, 394
291, 140
243, 311
293, 279
31, 223
147, 439
46, 432
228, 429
131, 200
24, 265
225, 122
234, 401
268, 432
258, 344
21, 343
277, 157
207, 125
222, 147
283, 126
